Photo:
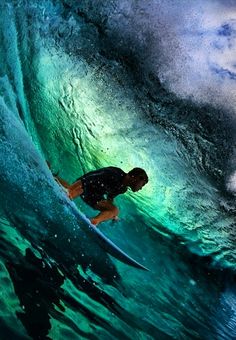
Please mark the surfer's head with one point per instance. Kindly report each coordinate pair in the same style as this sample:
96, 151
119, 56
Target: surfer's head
137, 179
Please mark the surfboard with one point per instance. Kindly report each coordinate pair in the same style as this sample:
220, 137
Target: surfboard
105, 243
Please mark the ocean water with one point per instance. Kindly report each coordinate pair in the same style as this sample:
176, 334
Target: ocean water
87, 85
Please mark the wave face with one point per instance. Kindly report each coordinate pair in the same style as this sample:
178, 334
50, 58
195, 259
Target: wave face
94, 84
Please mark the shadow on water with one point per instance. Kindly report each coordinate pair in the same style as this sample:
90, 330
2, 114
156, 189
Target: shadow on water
38, 284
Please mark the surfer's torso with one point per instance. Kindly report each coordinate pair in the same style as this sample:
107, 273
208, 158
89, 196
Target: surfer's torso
105, 183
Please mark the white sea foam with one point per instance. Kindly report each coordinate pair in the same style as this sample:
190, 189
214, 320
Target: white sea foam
189, 45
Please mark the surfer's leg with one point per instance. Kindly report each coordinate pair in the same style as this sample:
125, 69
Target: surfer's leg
62, 182
108, 211
75, 189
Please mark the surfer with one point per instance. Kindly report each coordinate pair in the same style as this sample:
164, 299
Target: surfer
99, 188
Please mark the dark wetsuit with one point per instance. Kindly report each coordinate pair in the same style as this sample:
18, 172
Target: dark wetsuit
105, 183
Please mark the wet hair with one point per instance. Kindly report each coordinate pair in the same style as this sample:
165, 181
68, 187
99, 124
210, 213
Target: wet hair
139, 174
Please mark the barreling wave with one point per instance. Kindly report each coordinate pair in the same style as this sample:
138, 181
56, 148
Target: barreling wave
69, 95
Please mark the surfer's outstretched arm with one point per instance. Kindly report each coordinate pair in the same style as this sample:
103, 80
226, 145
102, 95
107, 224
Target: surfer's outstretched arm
107, 211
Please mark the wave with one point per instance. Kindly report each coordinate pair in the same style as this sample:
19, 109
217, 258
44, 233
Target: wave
69, 95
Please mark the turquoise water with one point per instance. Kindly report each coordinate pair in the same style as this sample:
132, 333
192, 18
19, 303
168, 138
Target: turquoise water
69, 94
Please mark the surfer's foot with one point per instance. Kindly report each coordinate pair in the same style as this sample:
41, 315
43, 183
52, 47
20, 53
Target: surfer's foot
69, 194
94, 221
